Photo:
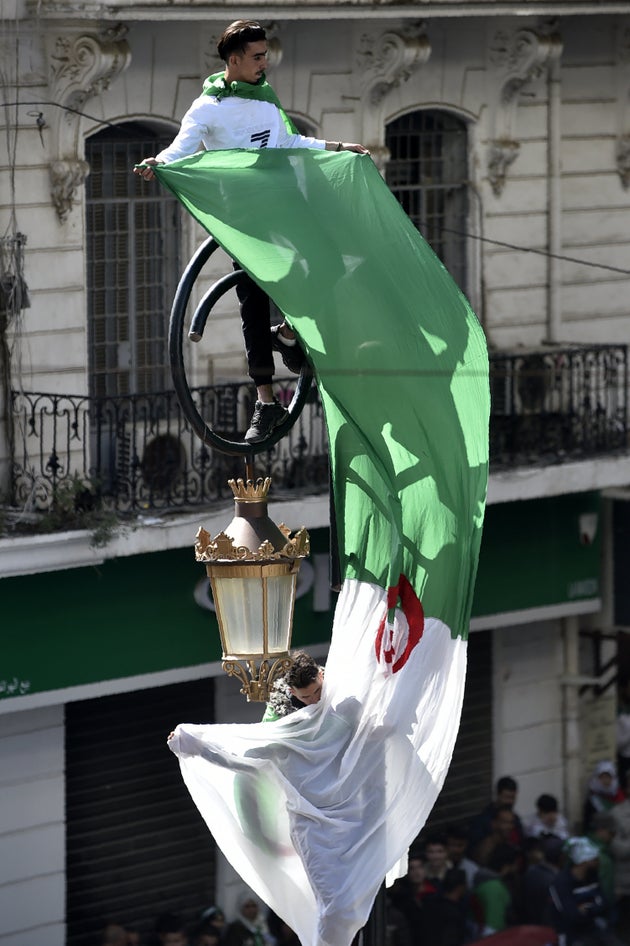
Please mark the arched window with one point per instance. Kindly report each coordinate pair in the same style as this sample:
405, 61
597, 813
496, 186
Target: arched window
428, 174
133, 238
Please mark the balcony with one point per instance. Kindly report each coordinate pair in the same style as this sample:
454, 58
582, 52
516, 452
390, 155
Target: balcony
135, 455
554, 405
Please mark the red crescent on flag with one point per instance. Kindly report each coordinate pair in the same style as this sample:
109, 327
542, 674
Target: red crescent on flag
411, 607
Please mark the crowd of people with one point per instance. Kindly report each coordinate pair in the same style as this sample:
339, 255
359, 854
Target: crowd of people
252, 925
503, 871
465, 883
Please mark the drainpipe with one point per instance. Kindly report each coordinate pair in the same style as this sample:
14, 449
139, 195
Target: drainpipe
554, 195
572, 769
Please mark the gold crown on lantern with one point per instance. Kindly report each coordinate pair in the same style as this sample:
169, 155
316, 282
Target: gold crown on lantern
250, 490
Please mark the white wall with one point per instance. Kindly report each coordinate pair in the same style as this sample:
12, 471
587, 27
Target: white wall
32, 828
528, 740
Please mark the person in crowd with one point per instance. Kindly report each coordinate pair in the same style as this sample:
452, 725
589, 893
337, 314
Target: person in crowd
238, 109
397, 932
205, 934
250, 926
603, 792
133, 936
436, 858
281, 932
445, 914
506, 793
214, 917
493, 900
409, 895
301, 685
457, 843
543, 859
620, 850
623, 728
602, 833
503, 830
547, 821
170, 930
114, 934
579, 912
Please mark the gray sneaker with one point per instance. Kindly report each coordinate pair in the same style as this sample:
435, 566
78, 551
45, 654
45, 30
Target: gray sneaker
265, 419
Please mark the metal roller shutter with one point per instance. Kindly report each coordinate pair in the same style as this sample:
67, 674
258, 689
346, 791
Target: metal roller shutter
468, 786
136, 845
621, 563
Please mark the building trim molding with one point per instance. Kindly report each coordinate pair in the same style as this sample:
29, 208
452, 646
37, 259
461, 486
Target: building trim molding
551, 612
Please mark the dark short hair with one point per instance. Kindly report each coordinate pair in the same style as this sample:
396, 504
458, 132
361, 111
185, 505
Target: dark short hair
237, 35
457, 832
303, 671
169, 923
416, 855
453, 878
506, 784
502, 856
553, 849
546, 803
436, 838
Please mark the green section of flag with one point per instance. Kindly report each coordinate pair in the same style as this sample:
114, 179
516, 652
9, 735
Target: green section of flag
400, 359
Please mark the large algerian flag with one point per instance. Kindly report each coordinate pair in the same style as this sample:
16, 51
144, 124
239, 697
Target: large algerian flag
315, 809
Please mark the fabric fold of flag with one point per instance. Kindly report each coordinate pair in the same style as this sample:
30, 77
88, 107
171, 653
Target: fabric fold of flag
314, 810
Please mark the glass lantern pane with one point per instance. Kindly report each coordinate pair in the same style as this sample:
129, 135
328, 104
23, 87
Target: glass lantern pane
280, 595
240, 602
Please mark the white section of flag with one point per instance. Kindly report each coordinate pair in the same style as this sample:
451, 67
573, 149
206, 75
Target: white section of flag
313, 810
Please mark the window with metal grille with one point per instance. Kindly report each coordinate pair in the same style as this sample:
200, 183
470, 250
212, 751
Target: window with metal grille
428, 174
133, 239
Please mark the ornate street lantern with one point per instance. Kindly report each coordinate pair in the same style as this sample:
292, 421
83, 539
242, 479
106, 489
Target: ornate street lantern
253, 567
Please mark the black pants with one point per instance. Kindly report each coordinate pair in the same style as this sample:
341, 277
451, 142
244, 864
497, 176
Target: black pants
256, 324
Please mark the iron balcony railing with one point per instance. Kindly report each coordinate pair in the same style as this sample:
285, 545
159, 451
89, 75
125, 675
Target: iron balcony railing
552, 404
137, 453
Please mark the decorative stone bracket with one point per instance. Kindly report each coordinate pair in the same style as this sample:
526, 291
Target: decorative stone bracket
386, 61
513, 60
83, 66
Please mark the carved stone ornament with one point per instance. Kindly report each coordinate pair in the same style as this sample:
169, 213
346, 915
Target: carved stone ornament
389, 59
386, 61
514, 59
66, 176
623, 160
83, 65
500, 155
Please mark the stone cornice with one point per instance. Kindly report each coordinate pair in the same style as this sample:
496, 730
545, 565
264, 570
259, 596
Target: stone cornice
182, 10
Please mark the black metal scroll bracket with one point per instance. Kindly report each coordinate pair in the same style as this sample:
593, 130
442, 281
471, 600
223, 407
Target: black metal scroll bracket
197, 326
